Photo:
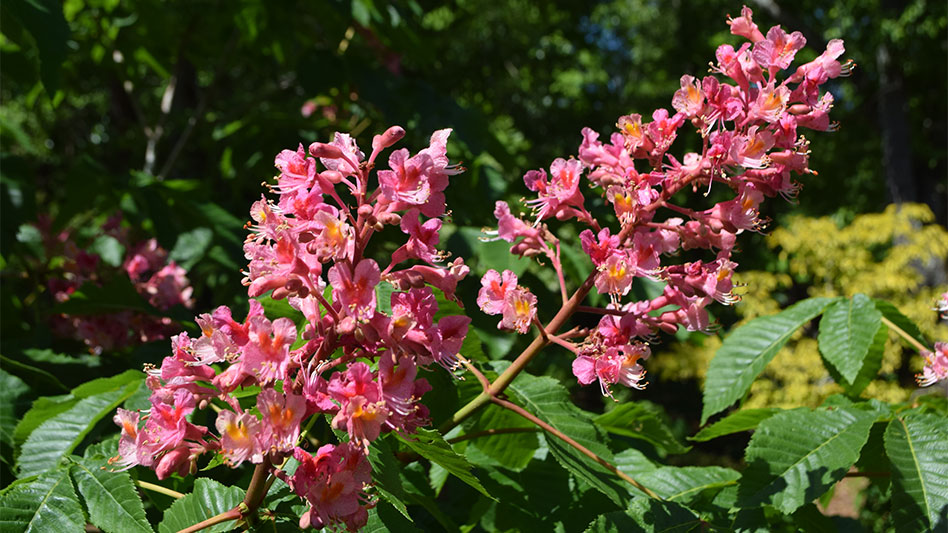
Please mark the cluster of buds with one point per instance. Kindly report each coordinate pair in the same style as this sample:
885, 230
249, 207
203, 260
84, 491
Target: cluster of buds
161, 282
748, 125
352, 358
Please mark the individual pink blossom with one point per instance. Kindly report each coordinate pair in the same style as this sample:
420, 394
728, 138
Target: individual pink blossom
494, 288
689, 100
362, 411
601, 247
447, 340
281, 417
332, 482
519, 310
936, 365
778, 49
356, 290
267, 354
422, 239
745, 26
296, 170
611, 365
615, 276
942, 306
239, 437
558, 192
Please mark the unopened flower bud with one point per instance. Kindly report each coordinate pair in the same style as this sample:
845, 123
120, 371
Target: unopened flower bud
331, 176
378, 226
799, 109
306, 236
345, 326
392, 219
390, 137
365, 210
325, 150
279, 293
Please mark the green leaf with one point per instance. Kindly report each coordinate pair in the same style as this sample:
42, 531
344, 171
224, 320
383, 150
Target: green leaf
846, 332
797, 455
113, 503
383, 297
100, 385
512, 450
46, 504
61, 434
31, 373
385, 475
642, 420
904, 323
209, 498
683, 484
743, 420
429, 444
917, 446
872, 363
191, 247
42, 410
748, 349
645, 514
45, 21
546, 398
11, 388
110, 249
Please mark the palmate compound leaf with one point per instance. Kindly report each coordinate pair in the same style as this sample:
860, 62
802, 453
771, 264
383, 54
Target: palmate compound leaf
917, 446
795, 456
748, 349
113, 503
847, 330
547, 399
48, 503
209, 498
642, 420
60, 435
743, 420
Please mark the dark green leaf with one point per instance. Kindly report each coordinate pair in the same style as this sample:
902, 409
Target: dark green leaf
512, 450
11, 388
209, 498
116, 295
795, 456
45, 21
743, 420
642, 420
871, 363
847, 330
429, 444
645, 514
748, 349
917, 446
113, 503
683, 484
385, 475
191, 247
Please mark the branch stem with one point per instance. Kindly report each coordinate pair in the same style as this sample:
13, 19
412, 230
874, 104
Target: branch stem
901, 332
159, 489
233, 514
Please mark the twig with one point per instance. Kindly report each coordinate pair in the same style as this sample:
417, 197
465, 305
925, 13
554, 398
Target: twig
226, 516
159, 489
911, 340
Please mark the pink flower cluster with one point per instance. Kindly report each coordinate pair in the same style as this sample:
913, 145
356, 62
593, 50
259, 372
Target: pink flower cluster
161, 282
352, 357
747, 123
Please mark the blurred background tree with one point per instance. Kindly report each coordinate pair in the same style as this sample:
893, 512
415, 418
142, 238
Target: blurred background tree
169, 114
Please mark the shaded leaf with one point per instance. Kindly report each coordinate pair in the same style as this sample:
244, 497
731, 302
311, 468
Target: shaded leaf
797, 455
645, 514
743, 420
683, 484
748, 349
45, 21
385, 475
191, 247
512, 450
871, 364
429, 444
904, 323
642, 420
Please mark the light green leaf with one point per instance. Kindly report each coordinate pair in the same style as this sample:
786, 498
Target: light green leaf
209, 498
113, 503
683, 484
797, 455
743, 420
61, 434
642, 420
748, 349
46, 504
42, 410
110, 249
846, 333
429, 444
191, 247
917, 446
547, 399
